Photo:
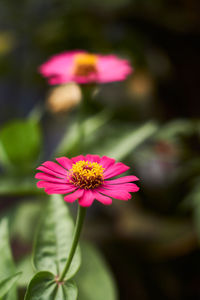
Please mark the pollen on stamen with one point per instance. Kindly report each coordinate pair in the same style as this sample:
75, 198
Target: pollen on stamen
85, 64
86, 175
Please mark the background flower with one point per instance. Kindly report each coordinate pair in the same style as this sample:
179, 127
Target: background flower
83, 67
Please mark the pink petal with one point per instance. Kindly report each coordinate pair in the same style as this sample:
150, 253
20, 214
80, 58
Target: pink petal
87, 198
106, 162
50, 191
93, 158
59, 66
103, 199
121, 195
72, 197
55, 167
78, 158
115, 170
48, 171
65, 162
40, 184
107, 66
129, 187
122, 179
47, 184
50, 178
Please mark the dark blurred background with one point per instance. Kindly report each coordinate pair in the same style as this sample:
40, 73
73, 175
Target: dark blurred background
151, 243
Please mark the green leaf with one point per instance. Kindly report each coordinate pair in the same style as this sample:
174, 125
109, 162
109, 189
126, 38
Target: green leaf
27, 268
6, 262
7, 283
94, 276
121, 146
54, 238
44, 287
20, 142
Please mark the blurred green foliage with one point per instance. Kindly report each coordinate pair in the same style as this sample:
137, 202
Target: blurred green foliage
8, 288
20, 144
94, 275
150, 122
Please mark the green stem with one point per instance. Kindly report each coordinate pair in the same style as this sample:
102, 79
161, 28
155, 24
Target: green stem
77, 232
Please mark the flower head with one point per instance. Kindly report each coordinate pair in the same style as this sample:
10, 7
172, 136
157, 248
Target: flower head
83, 67
86, 178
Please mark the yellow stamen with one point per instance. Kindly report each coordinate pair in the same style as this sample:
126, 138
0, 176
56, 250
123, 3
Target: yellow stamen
85, 64
86, 174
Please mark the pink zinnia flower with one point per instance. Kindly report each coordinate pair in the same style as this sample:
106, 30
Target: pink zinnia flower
86, 178
83, 67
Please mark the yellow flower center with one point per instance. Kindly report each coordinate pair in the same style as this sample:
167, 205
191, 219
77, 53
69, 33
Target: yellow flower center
86, 175
85, 64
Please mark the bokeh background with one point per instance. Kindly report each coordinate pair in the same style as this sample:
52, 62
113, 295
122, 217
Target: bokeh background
150, 121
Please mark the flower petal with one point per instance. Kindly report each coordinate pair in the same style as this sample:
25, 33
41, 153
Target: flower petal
50, 178
50, 191
107, 66
122, 179
48, 171
129, 187
115, 170
47, 184
59, 66
93, 158
102, 198
120, 194
106, 162
87, 198
55, 167
76, 195
78, 158
65, 162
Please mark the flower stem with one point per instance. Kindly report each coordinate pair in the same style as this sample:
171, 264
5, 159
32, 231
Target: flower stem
77, 232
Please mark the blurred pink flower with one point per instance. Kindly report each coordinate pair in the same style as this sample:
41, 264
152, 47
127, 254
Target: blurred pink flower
86, 178
83, 67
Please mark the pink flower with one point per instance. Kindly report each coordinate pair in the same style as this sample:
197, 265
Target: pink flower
86, 178
83, 67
